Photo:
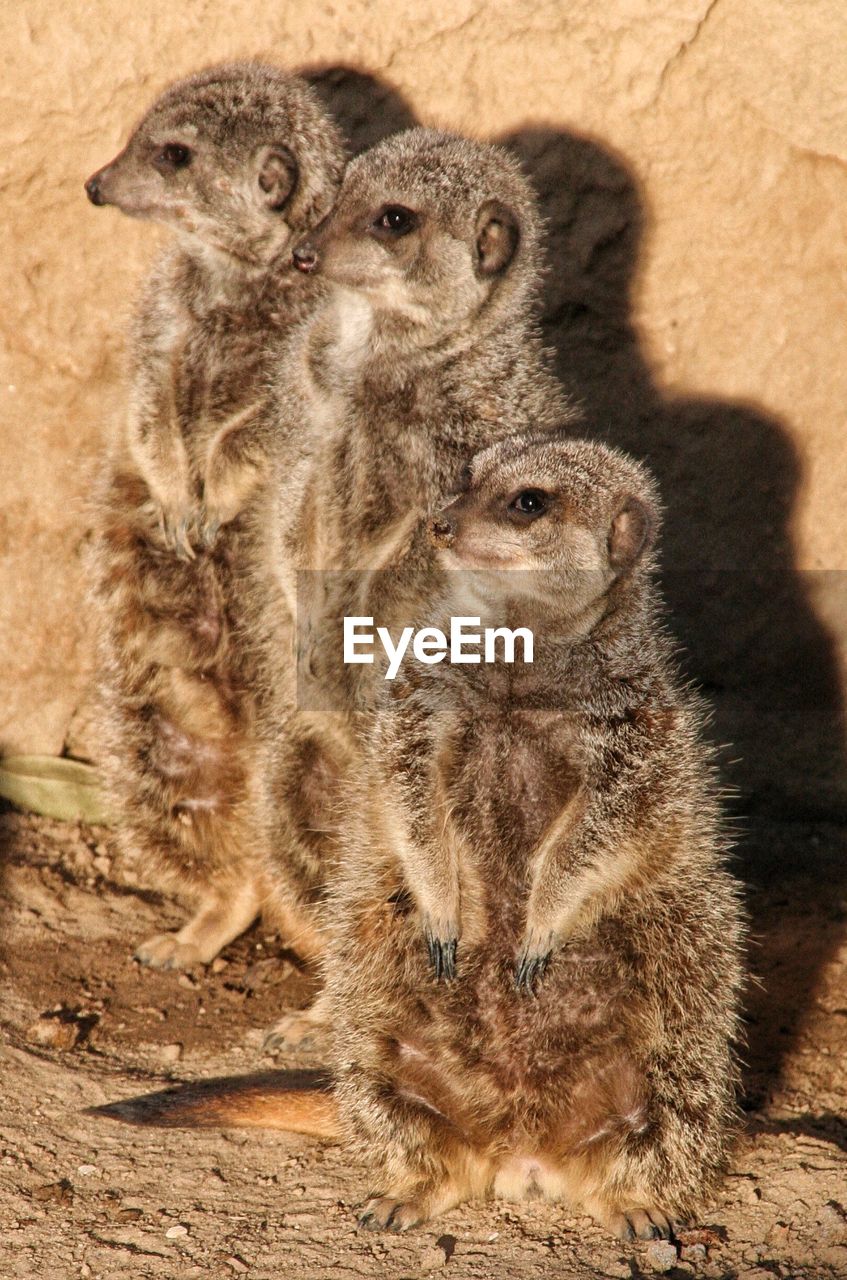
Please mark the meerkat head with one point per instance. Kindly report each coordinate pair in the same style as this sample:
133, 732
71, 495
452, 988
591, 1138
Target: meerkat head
240, 157
431, 228
574, 516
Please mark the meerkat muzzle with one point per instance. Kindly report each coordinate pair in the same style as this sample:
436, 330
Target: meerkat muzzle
304, 257
92, 190
441, 532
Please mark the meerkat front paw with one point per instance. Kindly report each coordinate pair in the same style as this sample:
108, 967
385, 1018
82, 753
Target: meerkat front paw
442, 940
226, 491
178, 529
533, 958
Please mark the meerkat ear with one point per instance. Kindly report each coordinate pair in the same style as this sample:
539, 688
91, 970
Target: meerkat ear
631, 532
497, 237
277, 176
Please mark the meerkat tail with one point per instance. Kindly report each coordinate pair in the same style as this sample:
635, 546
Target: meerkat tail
293, 1101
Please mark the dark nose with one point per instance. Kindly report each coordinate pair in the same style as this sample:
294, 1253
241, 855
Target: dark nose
441, 532
93, 191
305, 258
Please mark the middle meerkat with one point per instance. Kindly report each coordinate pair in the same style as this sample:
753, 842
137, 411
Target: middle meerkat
427, 350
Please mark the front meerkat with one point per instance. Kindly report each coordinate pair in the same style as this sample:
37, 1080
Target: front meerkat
425, 351
239, 161
546, 838
571, 1031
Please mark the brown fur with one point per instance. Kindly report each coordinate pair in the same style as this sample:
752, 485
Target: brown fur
583, 1048
174, 531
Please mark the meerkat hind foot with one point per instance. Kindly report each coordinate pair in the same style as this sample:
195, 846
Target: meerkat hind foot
214, 926
384, 1213
300, 1029
640, 1224
165, 951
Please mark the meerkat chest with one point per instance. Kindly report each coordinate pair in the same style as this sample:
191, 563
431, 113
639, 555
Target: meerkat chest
217, 369
511, 777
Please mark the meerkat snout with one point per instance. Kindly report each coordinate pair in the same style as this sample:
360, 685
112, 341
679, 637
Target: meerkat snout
92, 189
305, 258
441, 532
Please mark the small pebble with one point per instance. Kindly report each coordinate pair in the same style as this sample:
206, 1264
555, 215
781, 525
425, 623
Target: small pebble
237, 1264
219, 964
55, 1193
186, 980
693, 1253
431, 1258
54, 1033
129, 1213
87, 1170
833, 1224
176, 1233
170, 1052
661, 1255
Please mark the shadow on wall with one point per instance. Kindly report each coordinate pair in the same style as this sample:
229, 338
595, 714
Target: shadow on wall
729, 475
365, 109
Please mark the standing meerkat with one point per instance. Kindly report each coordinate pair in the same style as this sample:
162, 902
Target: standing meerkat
571, 1031
239, 160
426, 350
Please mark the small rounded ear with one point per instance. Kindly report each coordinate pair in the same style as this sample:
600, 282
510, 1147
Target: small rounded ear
498, 235
278, 172
632, 531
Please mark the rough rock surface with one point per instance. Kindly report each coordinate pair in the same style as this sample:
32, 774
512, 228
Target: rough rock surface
83, 1197
691, 158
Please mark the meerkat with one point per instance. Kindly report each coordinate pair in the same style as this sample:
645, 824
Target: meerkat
568, 1026
426, 350
239, 160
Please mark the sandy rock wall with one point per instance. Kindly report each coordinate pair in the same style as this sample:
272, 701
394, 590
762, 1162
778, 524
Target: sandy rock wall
690, 156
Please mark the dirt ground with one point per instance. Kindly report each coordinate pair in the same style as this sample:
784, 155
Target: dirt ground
83, 1024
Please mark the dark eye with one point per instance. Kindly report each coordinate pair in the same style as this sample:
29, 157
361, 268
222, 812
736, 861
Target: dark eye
396, 220
173, 156
529, 502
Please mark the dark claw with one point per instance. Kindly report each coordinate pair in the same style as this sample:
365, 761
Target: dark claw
368, 1222
442, 956
184, 549
209, 531
177, 538
529, 968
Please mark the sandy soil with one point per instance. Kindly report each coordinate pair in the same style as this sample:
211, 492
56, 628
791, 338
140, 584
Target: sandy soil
83, 1024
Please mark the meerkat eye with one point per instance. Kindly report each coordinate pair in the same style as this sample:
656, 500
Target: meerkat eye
173, 156
530, 503
395, 220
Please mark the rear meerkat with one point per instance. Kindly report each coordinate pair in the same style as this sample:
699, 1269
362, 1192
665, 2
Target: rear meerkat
562, 1020
239, 160
425, 351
